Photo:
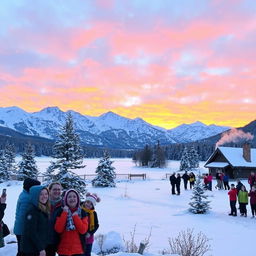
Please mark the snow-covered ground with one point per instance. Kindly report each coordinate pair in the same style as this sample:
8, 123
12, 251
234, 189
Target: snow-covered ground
148, 204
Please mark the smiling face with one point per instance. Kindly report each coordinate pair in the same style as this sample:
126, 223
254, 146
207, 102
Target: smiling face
43, 196
72, 200
55, 192
88, 204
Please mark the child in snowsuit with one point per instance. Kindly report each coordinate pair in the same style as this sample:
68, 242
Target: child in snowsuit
88, 206
243, 201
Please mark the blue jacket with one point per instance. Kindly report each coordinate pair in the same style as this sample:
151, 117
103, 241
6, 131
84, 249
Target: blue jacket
21, 209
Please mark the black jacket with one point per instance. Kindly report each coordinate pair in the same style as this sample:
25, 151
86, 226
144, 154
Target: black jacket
173, 179
36, 230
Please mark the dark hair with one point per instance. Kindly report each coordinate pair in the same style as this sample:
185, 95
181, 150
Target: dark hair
53, 183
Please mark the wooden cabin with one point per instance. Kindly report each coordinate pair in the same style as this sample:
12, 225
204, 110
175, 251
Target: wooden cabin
236, 162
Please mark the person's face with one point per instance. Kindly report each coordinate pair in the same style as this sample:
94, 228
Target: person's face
72, 199
88, 204
43, 196
55, 192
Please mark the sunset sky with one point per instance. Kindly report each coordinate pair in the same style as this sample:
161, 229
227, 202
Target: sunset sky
166, 61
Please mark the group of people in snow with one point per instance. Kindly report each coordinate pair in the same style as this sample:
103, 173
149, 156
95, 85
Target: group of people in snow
175, 181
240, 194
49, 221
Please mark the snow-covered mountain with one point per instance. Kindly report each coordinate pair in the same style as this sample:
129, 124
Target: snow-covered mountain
196, 131
107, 130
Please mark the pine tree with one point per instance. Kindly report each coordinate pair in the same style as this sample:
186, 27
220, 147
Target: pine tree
199, 203
4, 174
69, 155
10, 154
27, 167
194, 158
106, 174
184, 162
158, 157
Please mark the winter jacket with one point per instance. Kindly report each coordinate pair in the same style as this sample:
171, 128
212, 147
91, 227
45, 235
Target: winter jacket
95, 228
209, 178
251, 179
232, 194
71, 240
173, 179
243, 197
2, 209
252, 195
21, 209
239, 186
185, 177
225, 178
36, 225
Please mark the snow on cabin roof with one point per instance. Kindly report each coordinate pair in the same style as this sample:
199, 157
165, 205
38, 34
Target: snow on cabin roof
217, 164
235, 156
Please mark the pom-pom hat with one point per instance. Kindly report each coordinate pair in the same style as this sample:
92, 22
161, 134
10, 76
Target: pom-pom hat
93, 198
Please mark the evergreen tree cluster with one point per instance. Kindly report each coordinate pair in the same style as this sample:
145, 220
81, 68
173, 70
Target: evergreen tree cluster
199, 203
151, 156
189, 159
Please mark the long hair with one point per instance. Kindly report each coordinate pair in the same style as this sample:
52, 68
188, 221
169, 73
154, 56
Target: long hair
47, 206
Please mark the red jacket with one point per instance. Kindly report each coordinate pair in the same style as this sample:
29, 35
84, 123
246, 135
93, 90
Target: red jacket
252, 195
70, 242
232, 194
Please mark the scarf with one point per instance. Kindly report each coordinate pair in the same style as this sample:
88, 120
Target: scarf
91, 218
70, 223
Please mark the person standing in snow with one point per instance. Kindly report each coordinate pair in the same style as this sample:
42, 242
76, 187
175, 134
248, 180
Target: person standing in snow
55, 190
71, 224
226, 181
243, 201
192, 179
21, 208
2, 209
232, 199
173, 183
34, 238
178, 181
252, 179
252, 195
93, 224
210, 181
185, 178
239, 186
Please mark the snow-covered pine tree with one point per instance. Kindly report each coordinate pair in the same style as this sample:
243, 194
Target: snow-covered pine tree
27, 167
199, 203
105, 173
69, 155
10, 154
4, 175
158, 157
193, 157
185, 161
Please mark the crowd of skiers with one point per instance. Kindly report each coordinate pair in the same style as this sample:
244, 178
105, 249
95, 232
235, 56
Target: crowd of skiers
49, 221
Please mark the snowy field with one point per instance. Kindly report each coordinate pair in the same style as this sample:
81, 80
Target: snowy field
149, 204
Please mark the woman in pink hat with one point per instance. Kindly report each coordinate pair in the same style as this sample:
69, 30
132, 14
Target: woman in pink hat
72, 224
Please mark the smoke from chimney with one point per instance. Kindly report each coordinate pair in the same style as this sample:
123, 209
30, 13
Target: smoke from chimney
234, 135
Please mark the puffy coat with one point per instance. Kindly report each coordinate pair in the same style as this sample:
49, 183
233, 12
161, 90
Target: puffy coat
36, 225
252, 196
232, 194
243, 197
70, 240
21, 209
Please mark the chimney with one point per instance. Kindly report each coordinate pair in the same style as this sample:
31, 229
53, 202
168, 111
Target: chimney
247, 152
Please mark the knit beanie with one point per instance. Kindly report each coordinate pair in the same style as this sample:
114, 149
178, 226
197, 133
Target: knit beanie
66, 195
28, 183
93, 198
